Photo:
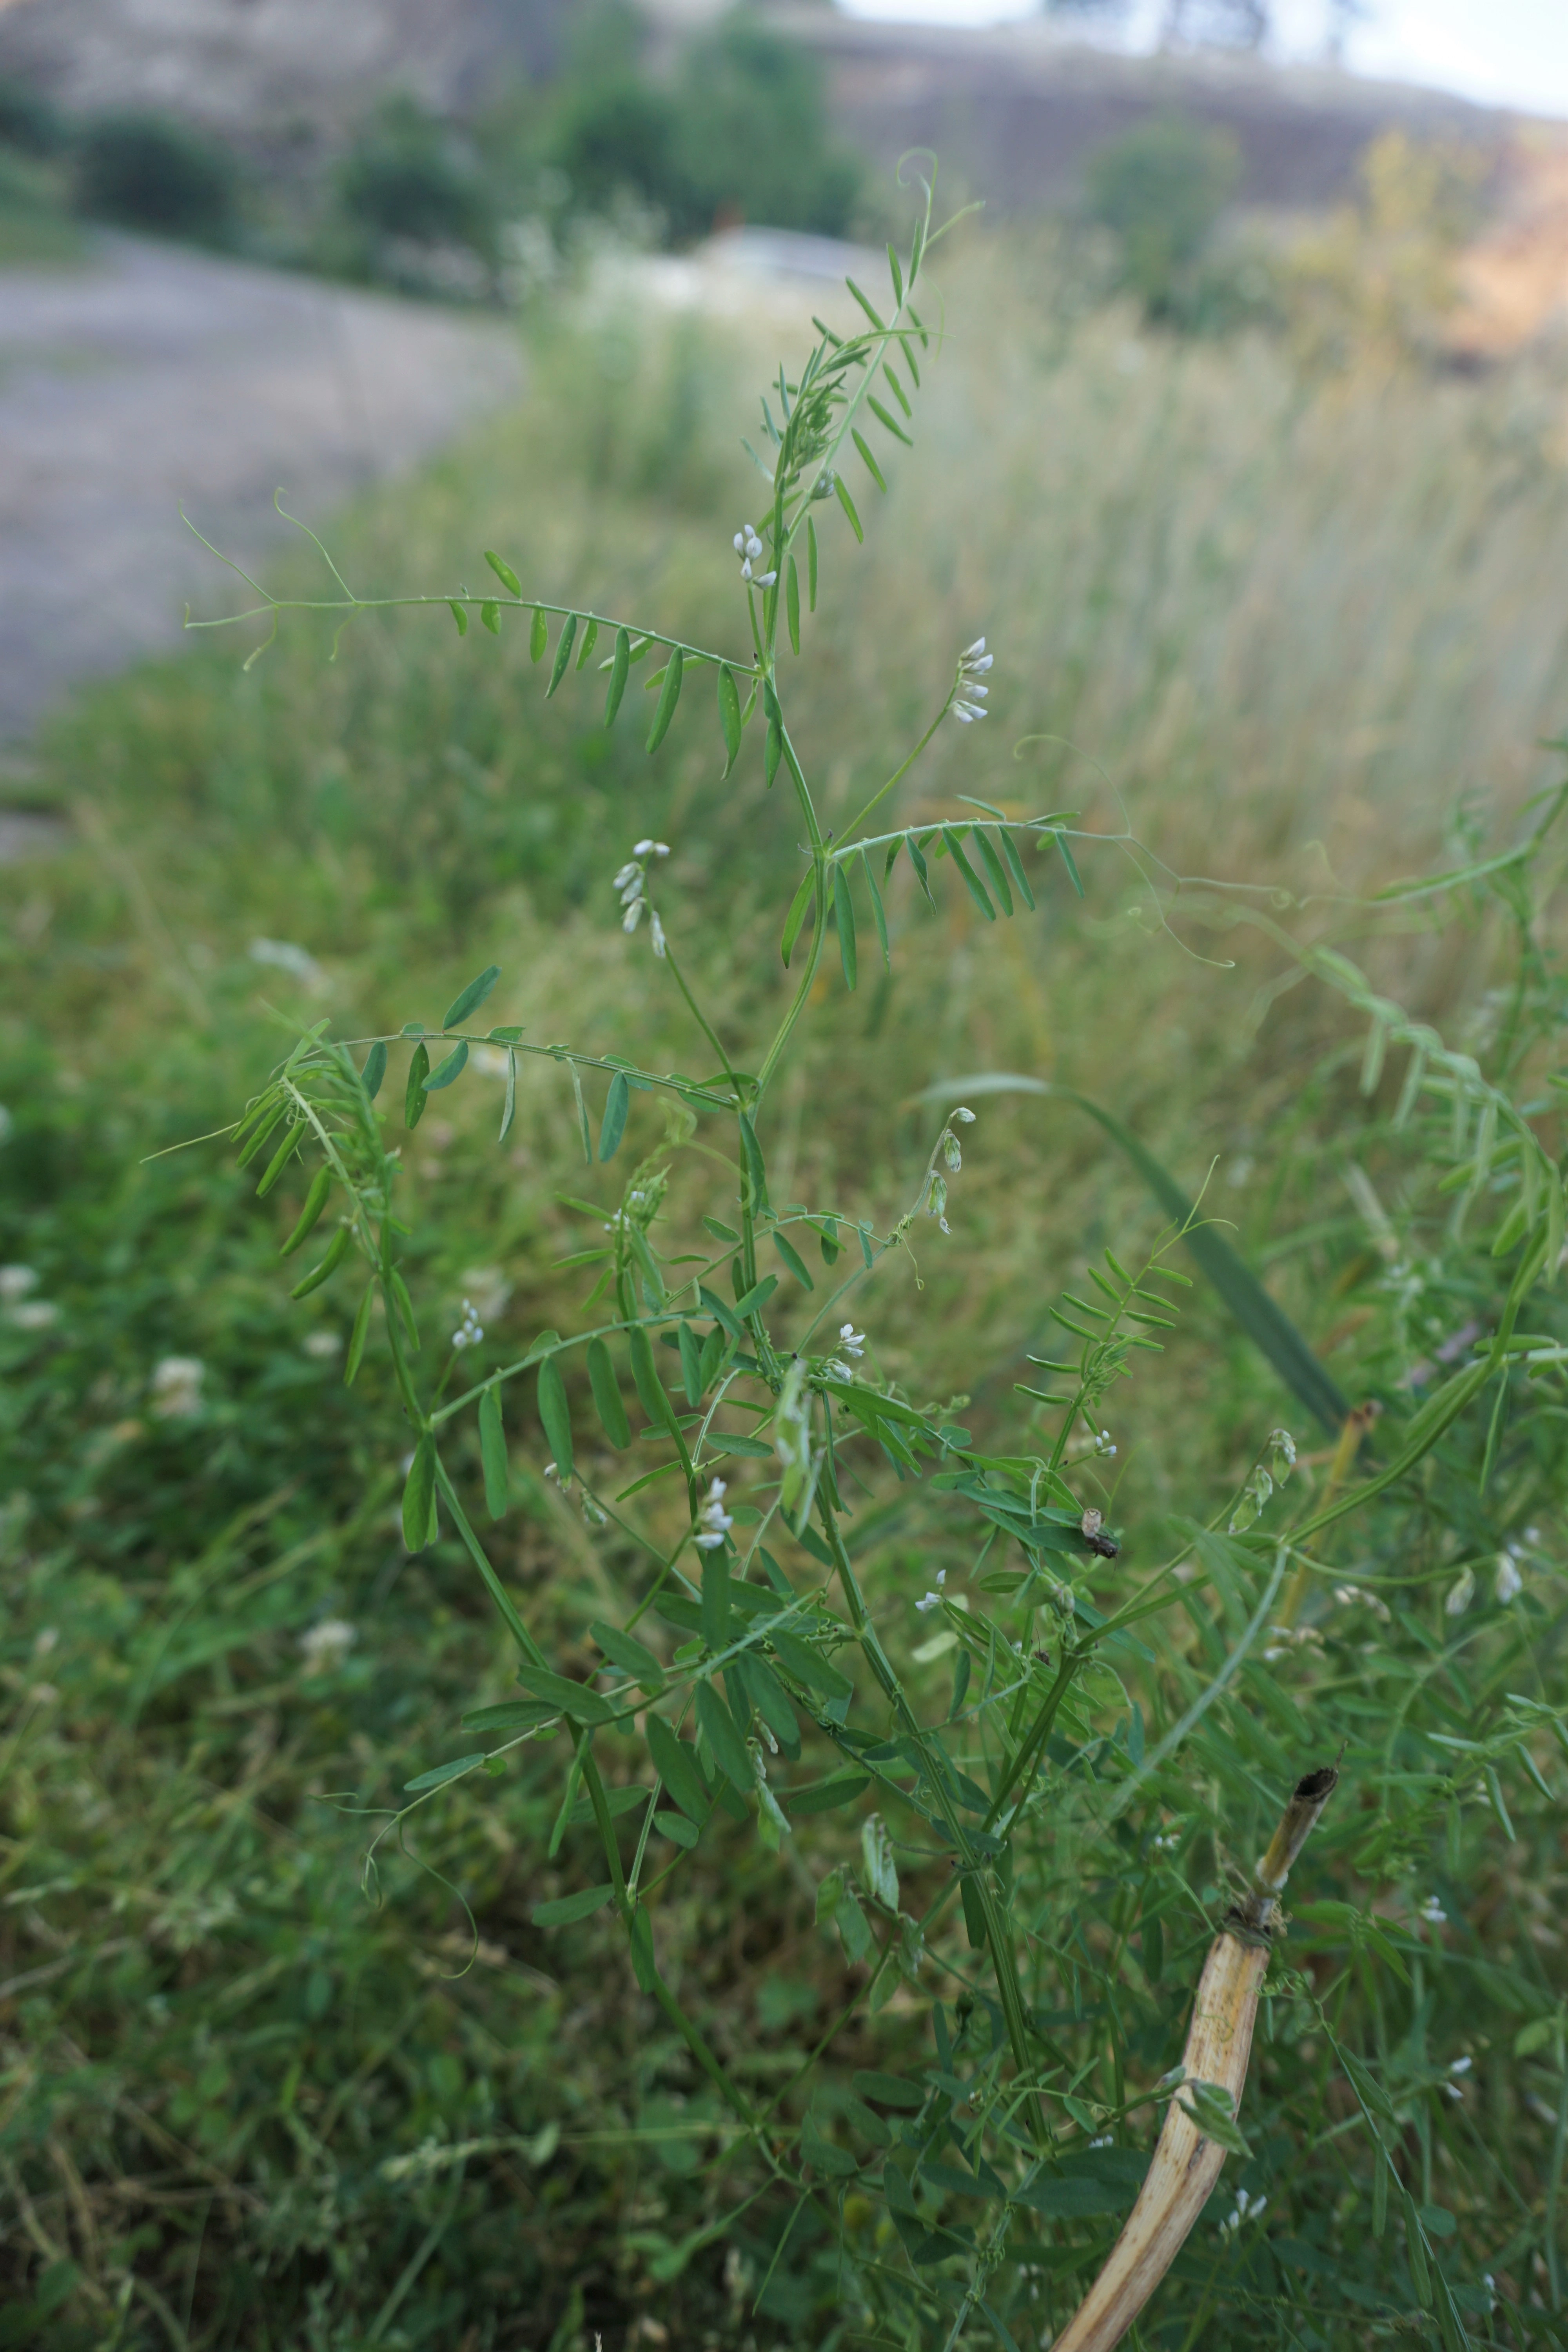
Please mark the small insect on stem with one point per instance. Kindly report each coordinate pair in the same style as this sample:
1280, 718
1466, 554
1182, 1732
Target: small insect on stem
1106, 1546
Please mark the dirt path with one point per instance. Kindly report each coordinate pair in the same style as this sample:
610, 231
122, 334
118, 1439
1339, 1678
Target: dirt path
157, 375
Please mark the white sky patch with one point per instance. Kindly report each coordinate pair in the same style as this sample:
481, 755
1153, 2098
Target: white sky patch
1499, 52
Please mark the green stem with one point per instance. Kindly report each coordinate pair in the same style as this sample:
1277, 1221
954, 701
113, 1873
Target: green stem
898, 773
1027, 1754
696, 1011
1004, 1961
798, 1006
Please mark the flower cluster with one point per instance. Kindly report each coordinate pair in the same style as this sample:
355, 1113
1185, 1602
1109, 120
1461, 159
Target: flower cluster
748, 548
1459, 2067
468, 1333
1433, 1912
327, 1645
1348, 1595
1248, 2208
949, 1148
934, 1600
1509, 1582
852, 1343
969, 696
632, 884
714, 1520
177, 1388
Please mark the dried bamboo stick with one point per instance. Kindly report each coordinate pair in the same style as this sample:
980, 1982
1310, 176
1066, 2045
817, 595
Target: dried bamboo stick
1187, 2164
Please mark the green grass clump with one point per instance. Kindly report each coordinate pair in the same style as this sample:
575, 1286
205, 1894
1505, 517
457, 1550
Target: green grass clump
1302, 636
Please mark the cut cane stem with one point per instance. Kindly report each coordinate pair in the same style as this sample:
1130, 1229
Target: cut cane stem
1187, 2164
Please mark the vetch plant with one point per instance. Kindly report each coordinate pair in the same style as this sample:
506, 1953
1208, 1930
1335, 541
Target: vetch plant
1060, 1752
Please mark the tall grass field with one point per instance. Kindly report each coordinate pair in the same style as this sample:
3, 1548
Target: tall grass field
287, 2058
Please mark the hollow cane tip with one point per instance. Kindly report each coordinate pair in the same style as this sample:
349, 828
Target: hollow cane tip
1308, 1797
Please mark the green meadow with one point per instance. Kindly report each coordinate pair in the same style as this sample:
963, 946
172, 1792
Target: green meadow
1281, 639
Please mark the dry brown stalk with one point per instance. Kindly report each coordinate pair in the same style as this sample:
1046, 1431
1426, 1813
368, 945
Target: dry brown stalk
1187, 2164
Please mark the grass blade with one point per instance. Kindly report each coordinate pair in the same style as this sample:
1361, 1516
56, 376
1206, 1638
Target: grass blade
1266, 1324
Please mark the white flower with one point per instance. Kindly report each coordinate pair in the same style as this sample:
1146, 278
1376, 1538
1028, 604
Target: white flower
1461, 1593
971, 661
1509, 1585
656, 931
284, 956
965, 1117
634, 889
1248, 2208
469, 1332
628, 872
713, 1520
748, 548
931, 1601
633, 916
1460, 2065
327, 1645
837, 1371
1433, 1912
16, 1281
177, 1388
854, 1342
35, 1315
651, 849
323, 1344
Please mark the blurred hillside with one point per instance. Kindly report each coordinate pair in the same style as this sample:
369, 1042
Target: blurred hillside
1015, 110
307, 64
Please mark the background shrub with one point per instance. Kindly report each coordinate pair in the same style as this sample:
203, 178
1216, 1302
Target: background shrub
407, 175
149, 171
1161, 188
741, 134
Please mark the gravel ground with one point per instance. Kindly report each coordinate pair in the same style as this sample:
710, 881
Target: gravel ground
154, 376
